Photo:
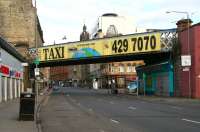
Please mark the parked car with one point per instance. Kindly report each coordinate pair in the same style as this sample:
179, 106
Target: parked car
132, 87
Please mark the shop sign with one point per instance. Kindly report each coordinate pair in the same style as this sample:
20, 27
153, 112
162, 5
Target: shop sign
17, 74
12, 73
186, 60
4, 70
37, 71
136, 43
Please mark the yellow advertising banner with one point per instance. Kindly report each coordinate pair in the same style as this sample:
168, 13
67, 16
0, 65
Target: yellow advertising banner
129, 44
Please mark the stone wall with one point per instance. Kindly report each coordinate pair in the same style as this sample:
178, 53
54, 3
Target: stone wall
18, 26
17, 23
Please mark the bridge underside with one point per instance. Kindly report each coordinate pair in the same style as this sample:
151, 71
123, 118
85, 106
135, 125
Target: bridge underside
149, 58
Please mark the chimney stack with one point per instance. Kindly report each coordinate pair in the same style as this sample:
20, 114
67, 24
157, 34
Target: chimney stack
183, 24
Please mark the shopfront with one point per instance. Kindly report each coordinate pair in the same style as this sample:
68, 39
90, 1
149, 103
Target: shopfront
11, 72
156, 79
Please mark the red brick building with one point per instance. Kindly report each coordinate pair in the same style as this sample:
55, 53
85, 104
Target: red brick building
59, 73
189, 83
121, 72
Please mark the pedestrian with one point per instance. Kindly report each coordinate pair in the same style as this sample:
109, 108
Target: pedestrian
109, 86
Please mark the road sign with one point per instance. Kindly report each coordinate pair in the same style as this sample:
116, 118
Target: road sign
186, 60
144, 75
36, 61
37, 71
186, 69
24, 64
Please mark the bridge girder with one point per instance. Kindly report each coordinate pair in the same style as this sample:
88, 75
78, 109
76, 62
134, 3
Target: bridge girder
164, 40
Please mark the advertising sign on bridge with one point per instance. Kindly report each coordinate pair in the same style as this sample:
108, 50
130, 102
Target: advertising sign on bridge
129, 44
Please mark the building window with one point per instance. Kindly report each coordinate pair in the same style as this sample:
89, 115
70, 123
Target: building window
121, 68
112, 69
116, 69
109, 69
128, 69
133, 69
111, 31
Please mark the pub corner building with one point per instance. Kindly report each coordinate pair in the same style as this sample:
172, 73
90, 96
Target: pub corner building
11, 72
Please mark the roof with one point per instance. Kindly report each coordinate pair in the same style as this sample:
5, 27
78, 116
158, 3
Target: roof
197, 24
11, 50
154, 66
184, 21
110, 14
40, 29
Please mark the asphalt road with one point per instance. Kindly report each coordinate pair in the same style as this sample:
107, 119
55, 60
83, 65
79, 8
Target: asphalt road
85, 110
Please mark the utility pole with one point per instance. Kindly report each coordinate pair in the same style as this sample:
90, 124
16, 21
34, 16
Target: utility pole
36, 65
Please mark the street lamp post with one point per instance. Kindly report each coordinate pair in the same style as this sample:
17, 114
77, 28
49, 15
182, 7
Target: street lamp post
36, 65
188, 41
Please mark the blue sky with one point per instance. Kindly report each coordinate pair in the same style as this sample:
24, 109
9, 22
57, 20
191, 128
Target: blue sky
66, 17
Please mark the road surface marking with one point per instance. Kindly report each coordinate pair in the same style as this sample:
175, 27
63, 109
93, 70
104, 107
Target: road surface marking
191, 121
68, 95
101, 131
132, 108
111, 102
115, 121
175, 107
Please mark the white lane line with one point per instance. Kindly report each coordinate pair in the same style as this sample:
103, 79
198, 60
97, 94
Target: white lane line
101, 131
115, 121
132, 108
175, 107
111, 102
191, 121
68, 95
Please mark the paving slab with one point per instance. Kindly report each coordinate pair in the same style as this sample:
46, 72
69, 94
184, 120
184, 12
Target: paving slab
9, 118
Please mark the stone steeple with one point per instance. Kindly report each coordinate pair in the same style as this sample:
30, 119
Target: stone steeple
84, 35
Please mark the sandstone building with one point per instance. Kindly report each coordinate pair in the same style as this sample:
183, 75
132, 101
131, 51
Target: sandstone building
17, 20
20, 26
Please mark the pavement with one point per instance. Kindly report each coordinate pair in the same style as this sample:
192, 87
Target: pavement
9, 118
86, 110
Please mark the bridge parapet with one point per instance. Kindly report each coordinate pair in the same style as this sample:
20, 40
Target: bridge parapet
168, 38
